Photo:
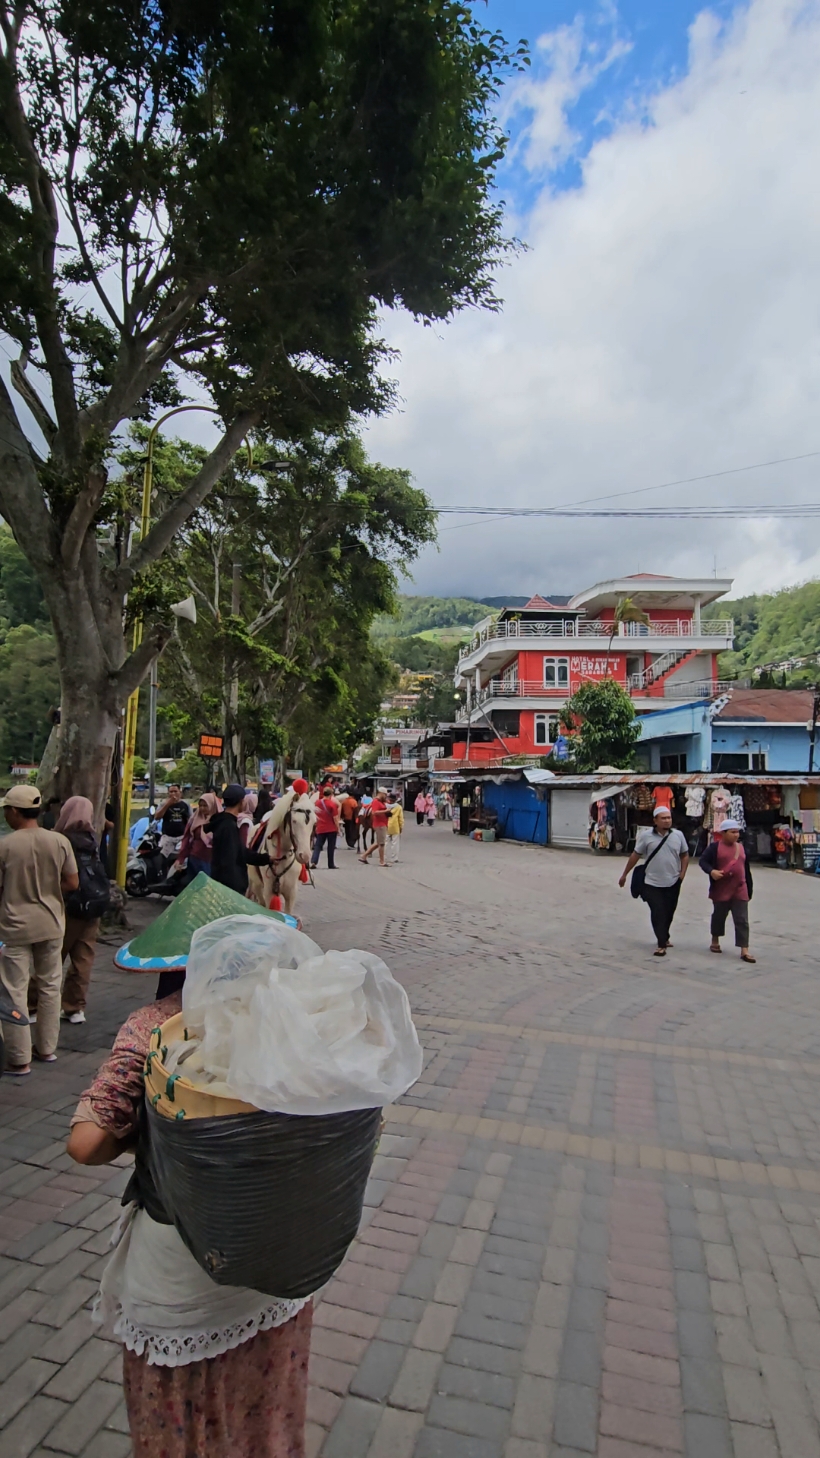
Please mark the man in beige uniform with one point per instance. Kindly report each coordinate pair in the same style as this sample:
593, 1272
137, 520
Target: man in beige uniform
36, 867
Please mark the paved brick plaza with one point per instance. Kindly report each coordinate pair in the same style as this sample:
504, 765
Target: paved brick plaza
592, 1226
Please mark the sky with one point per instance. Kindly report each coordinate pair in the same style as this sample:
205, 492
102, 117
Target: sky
663, 320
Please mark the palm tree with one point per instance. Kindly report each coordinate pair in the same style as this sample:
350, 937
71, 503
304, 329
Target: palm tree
626, 611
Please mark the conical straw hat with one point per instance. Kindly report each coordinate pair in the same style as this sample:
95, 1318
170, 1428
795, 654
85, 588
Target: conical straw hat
165, 944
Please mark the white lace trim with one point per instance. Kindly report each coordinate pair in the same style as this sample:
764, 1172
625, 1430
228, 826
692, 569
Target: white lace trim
181, 1348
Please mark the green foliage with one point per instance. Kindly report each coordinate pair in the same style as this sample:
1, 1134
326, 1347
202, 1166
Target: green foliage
438, 703
415, 614
140, 767
420, 655
190, 770
772, 627
602, 724
29, 690
289, 572
21, 597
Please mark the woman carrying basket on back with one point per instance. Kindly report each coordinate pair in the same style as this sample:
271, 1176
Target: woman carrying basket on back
207, 1369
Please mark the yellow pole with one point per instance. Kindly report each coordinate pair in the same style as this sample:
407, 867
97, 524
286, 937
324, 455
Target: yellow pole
130, 739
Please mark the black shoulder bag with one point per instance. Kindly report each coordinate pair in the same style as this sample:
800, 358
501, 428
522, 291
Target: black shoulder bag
638, 881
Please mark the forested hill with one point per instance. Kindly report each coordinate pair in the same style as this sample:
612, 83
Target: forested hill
418, 615
772, 626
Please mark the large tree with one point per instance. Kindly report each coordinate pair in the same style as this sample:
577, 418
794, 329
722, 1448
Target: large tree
224, 193
288, 573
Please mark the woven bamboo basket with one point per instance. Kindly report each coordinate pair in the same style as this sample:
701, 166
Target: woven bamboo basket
173, 1095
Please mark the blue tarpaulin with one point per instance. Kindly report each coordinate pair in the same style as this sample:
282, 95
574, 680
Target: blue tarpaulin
522, 814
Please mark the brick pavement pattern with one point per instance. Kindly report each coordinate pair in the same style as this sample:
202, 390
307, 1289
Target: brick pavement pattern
593, 1227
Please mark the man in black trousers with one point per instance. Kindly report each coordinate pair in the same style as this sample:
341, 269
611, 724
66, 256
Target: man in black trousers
666, 856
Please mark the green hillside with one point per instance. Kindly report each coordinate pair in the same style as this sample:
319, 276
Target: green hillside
419, 614
772, 626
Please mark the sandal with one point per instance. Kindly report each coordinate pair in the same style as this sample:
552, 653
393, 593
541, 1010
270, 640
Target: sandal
18, 1070
44, 1057
659, 952
715, 949
744, 957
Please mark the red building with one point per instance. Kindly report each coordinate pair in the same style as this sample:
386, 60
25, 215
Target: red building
520, 667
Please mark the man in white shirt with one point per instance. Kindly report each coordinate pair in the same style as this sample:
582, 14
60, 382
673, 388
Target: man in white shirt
667, 856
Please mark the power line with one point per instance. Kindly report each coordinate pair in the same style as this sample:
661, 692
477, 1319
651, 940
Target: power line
794, 511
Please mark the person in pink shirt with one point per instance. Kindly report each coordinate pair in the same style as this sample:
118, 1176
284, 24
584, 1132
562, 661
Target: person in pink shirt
730, 887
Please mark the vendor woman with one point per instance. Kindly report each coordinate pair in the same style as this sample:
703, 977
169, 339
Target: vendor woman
208, 1370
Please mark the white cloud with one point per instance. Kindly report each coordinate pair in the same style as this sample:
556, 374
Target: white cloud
664, 323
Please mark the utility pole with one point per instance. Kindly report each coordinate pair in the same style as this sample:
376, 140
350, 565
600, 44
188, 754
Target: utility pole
815, 713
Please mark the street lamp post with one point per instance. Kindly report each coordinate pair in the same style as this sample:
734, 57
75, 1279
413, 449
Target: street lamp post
130, 735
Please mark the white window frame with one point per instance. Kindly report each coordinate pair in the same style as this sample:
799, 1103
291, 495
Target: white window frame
551, 724
557, 664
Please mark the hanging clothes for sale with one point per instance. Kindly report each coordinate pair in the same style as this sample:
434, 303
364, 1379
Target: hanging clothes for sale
791, 800
737, 811
662, 798
643, 798
719, 807
694, 801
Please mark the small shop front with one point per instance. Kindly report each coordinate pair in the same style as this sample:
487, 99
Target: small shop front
779, 815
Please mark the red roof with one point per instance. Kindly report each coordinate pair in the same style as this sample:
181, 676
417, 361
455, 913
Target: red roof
537, 602
770, 706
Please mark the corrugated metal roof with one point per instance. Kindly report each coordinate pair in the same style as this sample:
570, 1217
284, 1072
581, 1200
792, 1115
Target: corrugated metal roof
768, 706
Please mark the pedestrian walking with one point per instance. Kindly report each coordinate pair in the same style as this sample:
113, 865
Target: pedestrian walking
197, 842
730, 887
36, 867
84, 907
395, 826
365, 824
420, 805
666, 858
430, 810
229, 857
172, 817
209, 1369
327, 828
350, 820
379, 818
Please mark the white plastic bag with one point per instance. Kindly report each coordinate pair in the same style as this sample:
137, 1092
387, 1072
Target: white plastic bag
293, 1030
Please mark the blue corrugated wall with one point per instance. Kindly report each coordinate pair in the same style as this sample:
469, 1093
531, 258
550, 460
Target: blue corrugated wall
521, 814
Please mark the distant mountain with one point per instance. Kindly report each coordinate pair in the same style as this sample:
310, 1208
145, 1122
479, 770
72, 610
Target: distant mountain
421, 614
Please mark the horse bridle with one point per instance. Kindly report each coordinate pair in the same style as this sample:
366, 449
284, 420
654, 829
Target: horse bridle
275, 860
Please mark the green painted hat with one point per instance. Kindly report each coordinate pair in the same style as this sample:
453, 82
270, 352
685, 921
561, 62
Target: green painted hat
165, 944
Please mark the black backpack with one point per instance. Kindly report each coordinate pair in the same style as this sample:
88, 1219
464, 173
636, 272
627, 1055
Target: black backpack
93, 895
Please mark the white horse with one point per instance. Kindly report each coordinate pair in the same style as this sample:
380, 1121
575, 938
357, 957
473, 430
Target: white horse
286, 838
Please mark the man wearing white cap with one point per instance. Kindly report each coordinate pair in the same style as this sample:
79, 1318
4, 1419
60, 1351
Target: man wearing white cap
666, 856
730, 887
36, 867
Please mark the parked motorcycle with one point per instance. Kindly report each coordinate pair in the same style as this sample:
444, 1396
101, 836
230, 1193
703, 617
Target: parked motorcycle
149, 872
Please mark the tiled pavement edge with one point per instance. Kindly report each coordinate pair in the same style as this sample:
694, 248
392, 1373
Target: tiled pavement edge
592, 1227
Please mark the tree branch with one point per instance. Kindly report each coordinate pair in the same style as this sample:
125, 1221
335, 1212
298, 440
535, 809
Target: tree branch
26, 390
163, 532
21, 497
137, 664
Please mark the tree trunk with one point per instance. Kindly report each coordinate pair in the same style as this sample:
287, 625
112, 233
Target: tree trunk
88, 630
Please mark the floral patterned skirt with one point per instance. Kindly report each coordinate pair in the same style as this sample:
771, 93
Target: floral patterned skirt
246, 1403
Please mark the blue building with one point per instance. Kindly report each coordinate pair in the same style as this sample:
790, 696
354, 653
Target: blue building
758, 731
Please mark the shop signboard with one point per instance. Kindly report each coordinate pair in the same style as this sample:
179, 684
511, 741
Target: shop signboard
266, 771
456, 817
210, 746
395, 754
593, 667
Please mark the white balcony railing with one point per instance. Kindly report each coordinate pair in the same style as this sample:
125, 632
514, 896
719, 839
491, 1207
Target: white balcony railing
721, 628
523, 688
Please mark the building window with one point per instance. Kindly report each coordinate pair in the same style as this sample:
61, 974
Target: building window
673, 764
556, 673
722, 763
507, 722
547, 728
759, 762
